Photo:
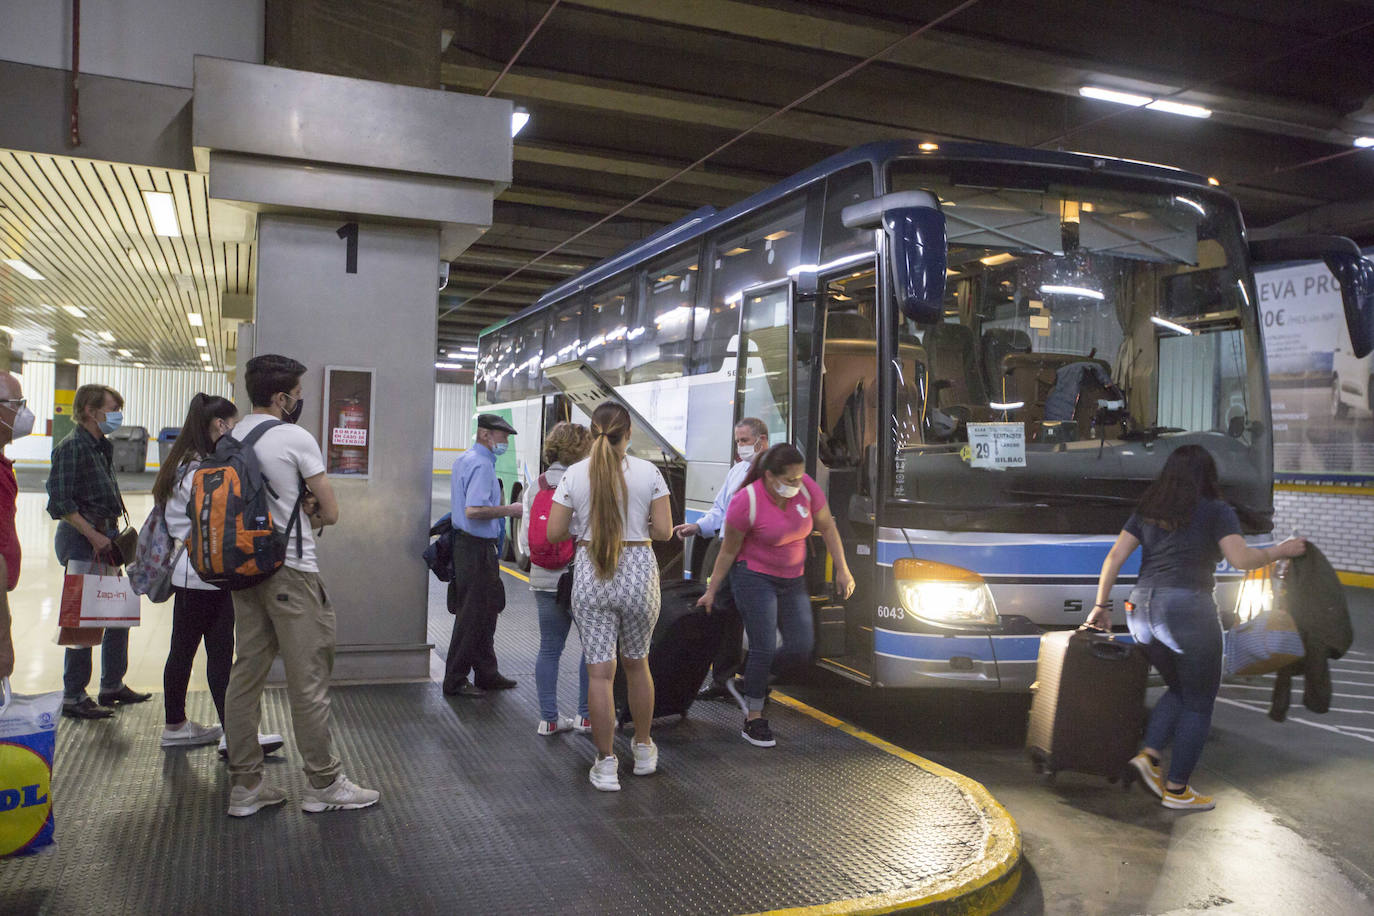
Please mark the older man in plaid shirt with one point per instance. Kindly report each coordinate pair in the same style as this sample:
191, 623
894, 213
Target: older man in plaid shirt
84, 496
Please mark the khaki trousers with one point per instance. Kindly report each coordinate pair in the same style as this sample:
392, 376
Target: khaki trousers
288, 614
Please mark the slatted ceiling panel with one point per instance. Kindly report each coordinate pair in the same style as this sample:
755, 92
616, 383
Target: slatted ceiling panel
85, 226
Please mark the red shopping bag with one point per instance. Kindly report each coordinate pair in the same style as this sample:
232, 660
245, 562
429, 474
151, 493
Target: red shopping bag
80, 637
91, 600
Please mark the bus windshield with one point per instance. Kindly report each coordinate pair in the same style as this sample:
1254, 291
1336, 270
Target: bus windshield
1108, 322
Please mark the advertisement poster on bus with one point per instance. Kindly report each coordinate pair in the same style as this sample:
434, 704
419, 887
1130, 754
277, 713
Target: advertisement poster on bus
1321, 394
348, 421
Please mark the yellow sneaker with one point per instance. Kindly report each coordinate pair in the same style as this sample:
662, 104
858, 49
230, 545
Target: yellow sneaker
1149, 773
1188, 800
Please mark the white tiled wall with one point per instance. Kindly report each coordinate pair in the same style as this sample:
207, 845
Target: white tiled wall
1342, 525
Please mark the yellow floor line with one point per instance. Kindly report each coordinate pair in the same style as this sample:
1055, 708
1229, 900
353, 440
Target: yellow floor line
984, 886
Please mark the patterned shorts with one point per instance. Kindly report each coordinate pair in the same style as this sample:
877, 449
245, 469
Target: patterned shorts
623, 608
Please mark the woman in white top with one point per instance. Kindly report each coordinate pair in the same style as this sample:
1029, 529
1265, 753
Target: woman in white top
613, 504
200, 612
565, 445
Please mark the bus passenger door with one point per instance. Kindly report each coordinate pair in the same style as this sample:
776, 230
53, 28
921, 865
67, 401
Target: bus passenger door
847, 415
763, 358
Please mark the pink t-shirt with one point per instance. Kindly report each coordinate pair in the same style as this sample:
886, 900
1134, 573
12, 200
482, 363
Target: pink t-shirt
775, 544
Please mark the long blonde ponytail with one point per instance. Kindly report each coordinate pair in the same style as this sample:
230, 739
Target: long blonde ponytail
606, 522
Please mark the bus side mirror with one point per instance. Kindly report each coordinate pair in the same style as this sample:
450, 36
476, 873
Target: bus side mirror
1353, 272
917, 248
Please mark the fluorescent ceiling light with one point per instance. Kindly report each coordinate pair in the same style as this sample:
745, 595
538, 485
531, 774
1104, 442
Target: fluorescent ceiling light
472, 350
24, 269
74, 311
993, 260
107, 336
1364, 142
124, 353
451, 365
1112, 95
1178, 108
1165, 323
72, 362
1073, 291
205, 357
163, 212
202, 342
7, 329
139, 366
1010, 405
518, 119
195, 319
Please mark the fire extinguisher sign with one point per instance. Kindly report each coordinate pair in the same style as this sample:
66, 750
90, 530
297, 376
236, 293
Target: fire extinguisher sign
347, 421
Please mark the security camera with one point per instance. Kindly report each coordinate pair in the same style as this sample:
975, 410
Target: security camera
443, 274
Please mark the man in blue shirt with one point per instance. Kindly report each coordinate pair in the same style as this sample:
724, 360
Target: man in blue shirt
476, 594
751, 439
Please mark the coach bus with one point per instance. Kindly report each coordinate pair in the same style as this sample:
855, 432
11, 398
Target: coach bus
985, 354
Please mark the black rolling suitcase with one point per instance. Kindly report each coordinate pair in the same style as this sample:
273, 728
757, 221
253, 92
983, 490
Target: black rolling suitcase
1088, 704
684, 642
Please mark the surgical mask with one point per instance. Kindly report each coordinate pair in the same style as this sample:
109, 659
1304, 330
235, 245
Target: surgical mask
23, 423
113, 421
785, 491
745, 452
294, 414
499, 448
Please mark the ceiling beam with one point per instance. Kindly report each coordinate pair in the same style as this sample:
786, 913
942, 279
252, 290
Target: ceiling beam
944, 51
625, 166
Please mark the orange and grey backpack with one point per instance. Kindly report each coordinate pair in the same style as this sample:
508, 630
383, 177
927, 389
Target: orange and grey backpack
233, 543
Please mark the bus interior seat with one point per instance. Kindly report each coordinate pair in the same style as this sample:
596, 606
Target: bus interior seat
998, 343
954, 366
1030, 377
849, 387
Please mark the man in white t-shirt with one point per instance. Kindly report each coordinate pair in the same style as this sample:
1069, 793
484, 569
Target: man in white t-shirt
288, 613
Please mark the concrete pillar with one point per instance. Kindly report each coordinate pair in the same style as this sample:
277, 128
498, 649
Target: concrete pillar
64, 392
414, 172
381, 318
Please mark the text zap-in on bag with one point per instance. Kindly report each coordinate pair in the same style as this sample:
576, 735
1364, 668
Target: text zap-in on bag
28, 732
234, 543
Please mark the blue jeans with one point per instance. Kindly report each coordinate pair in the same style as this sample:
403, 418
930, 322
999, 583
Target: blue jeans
114, 646
768, 604
1181, 635
553, 633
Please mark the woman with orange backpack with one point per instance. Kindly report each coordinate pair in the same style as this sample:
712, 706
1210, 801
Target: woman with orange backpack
550, 564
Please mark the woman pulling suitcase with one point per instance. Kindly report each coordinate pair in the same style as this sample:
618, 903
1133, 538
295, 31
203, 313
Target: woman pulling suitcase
614, 504
1183, 528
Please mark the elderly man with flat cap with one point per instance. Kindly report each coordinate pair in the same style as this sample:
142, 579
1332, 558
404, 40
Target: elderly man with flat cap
476, 594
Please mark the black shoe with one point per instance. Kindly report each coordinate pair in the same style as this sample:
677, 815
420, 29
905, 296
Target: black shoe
124, 695
465, 689
85, 708
498, 683
757, 733
714, 692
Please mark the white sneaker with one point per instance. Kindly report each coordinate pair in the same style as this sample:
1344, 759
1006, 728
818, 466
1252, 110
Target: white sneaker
604, 775
243, 802
269, 744
339, 795
561, 724
646, 757
191, 734
582, 725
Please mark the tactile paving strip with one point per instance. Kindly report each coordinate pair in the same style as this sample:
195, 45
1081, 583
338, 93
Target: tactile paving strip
480, 815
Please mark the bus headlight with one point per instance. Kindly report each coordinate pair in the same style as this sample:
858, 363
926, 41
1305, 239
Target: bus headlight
945, 595
1256, 594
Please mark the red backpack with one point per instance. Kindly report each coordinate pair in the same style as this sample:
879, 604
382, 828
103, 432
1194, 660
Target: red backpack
542, 553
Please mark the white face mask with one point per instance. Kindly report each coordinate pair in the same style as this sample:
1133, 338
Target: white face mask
785, 491
23, 423
745, 452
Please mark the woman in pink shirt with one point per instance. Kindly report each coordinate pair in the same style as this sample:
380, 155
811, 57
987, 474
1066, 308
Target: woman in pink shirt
766, 527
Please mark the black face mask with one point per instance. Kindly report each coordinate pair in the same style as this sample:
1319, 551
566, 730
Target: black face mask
294, 414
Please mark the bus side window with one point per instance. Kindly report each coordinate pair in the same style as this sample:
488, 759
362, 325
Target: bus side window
657, 341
